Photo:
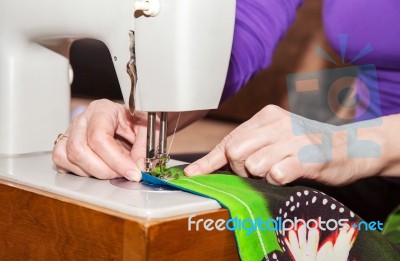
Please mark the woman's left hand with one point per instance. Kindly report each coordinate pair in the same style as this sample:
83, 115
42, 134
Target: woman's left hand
282, 147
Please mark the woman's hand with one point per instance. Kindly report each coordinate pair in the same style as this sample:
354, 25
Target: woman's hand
266, 146
105, 141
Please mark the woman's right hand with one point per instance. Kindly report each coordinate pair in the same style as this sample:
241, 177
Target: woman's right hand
105, 142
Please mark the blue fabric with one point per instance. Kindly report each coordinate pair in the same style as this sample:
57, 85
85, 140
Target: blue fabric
152, 179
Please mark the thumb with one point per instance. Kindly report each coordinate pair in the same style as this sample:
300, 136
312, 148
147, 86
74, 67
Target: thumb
214, 160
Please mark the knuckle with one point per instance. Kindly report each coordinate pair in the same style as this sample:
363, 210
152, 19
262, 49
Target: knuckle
57, 156
96, 103
268, 113
278, 176
270, 109
79, 121
225, 141
280, 179
93, 104
74, 151
95, 139
103, 102
234, 151
254, 168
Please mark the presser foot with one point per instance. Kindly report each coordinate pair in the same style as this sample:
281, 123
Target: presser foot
156, 163
158, 167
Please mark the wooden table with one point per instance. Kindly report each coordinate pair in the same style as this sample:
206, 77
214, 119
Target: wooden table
37, 225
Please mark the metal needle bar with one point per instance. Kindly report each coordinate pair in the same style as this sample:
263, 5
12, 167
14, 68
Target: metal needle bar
151, 137
162, 145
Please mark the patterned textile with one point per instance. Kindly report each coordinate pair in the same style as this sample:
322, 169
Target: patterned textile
326, 229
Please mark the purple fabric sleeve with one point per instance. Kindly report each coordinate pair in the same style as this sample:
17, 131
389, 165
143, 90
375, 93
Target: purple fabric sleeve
373, 23
259, 26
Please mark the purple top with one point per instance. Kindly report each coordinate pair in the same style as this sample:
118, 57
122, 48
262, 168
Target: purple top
260, 24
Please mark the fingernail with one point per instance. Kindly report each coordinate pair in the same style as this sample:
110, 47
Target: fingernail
192, 169
133, 175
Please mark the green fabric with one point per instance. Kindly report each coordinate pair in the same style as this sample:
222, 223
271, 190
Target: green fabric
391, 229
252, 199
242, 201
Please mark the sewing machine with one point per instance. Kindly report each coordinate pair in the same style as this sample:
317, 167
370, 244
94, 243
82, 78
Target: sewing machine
182, 51
169, 56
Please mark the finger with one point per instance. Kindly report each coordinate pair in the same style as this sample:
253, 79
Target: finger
138, 152
285, 171
214, 160
240, 148
123, 142
260, 162
125, 124
217, 157
62, 170
81, 155
60, 159
100, 133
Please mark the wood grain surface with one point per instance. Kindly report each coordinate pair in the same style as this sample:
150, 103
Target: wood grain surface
36, 225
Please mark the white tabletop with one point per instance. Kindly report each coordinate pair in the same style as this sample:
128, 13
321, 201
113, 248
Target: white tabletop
135, 199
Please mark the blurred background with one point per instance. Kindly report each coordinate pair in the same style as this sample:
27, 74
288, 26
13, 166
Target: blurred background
95, 78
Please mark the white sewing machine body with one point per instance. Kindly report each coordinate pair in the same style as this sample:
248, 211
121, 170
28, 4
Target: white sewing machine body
182, 57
